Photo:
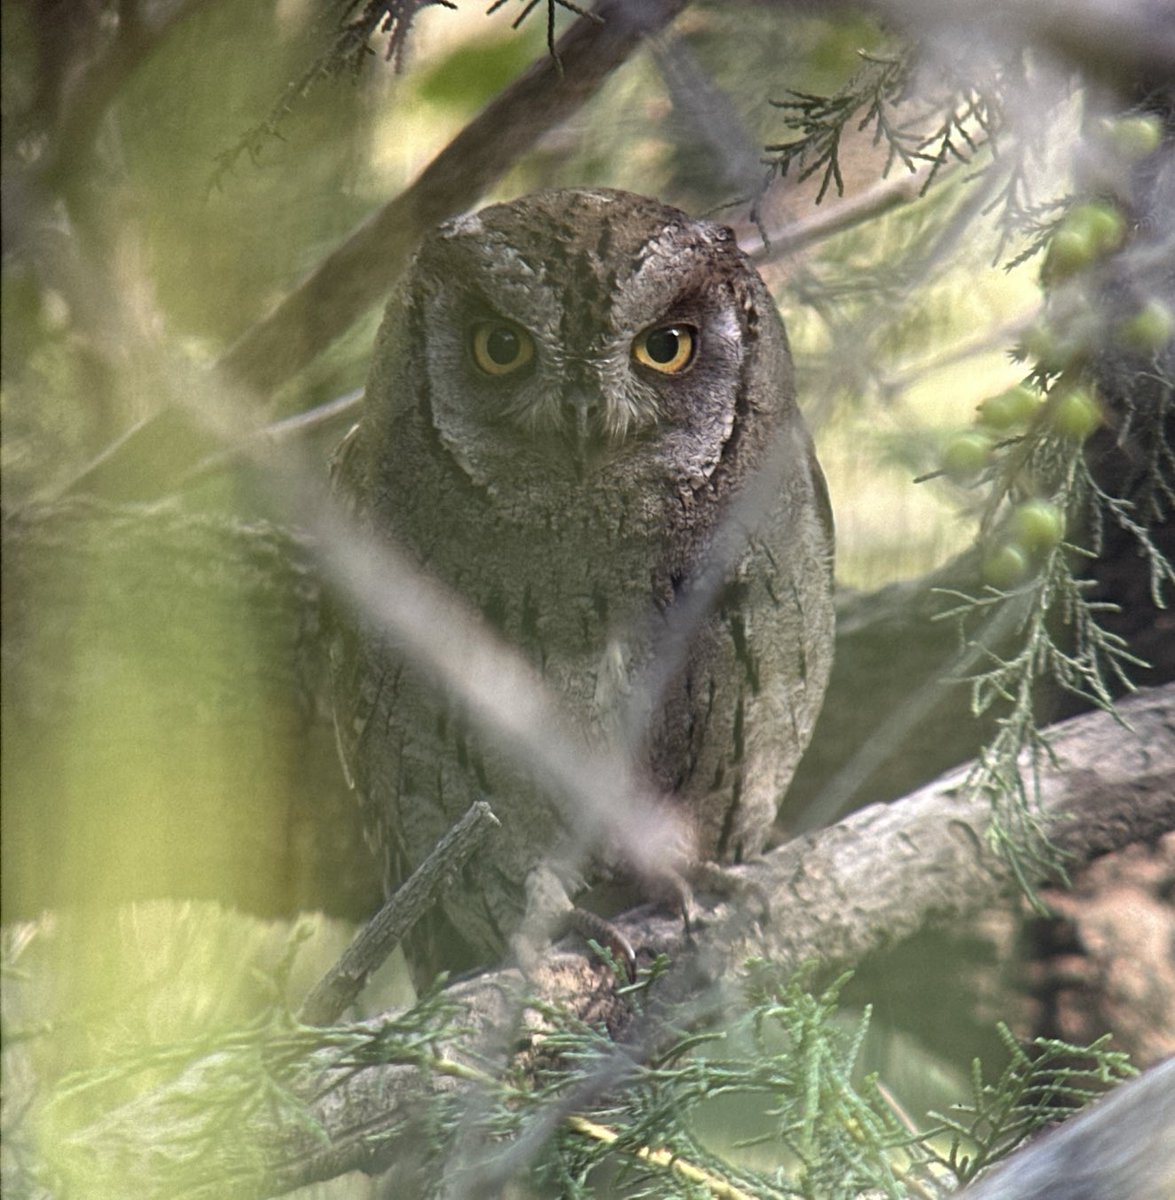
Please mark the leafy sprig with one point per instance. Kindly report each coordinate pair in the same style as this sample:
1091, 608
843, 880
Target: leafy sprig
1042, 1082
949, 127
355, 25
1060, 636
1057, 637
528, 6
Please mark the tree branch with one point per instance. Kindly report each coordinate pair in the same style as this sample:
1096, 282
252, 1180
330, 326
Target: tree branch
358, 273
833, 897
340, 987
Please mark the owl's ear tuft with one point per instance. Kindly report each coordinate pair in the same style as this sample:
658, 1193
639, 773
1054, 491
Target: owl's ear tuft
466, 225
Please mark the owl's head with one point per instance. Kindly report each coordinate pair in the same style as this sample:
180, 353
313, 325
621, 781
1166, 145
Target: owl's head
574, 329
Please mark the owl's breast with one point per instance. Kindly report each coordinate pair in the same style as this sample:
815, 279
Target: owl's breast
554, 563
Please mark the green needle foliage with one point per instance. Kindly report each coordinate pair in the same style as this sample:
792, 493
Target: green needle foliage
350, 28
1040, 1080
1031, 623
879, 97
1057, 636
348, 49
575, 1115
1034, 577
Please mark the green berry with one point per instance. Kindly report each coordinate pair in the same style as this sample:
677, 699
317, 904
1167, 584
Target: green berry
965, 455
1149, 329
1070, 251
1088, 232
1103, 224
1009, 408
1075, 414
1036, 526
1133, 138
1048, 350
1005, 566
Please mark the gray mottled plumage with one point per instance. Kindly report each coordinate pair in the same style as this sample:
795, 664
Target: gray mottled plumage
571, 496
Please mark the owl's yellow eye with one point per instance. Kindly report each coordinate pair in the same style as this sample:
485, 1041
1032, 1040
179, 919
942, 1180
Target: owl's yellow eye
666, 348
500, 348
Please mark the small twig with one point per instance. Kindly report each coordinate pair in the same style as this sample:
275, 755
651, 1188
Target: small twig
313, 420
835, 797
880, 198
340, 986
662, 1158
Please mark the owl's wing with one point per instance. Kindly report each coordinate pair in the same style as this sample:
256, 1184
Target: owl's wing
352, 706
357, 676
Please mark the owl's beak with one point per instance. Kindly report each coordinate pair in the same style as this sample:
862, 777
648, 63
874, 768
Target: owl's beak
580, 406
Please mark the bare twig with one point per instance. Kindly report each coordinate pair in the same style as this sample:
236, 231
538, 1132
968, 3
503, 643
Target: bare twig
333, 413
342, 984
837, 794
846, 214
1115, 43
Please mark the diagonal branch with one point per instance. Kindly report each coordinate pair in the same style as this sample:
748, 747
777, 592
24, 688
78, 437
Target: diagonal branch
341, 986
358, 273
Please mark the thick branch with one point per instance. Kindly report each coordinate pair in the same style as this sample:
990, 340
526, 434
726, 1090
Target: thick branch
833, 897
887, 870
357, 274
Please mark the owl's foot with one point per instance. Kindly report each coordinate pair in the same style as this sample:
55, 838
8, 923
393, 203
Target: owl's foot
548, 910
602, 931
550, 914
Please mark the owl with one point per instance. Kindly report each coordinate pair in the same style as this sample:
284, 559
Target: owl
570, 397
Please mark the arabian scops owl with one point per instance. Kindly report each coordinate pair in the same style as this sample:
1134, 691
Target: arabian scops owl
569, 392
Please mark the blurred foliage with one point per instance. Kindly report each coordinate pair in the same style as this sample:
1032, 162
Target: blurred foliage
470, 74
193, 978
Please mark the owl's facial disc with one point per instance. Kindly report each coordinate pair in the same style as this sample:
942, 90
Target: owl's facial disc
587, 397
575, 334
579, 400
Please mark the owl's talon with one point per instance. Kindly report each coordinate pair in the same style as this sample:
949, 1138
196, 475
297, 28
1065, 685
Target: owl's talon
593, 926
681, 897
